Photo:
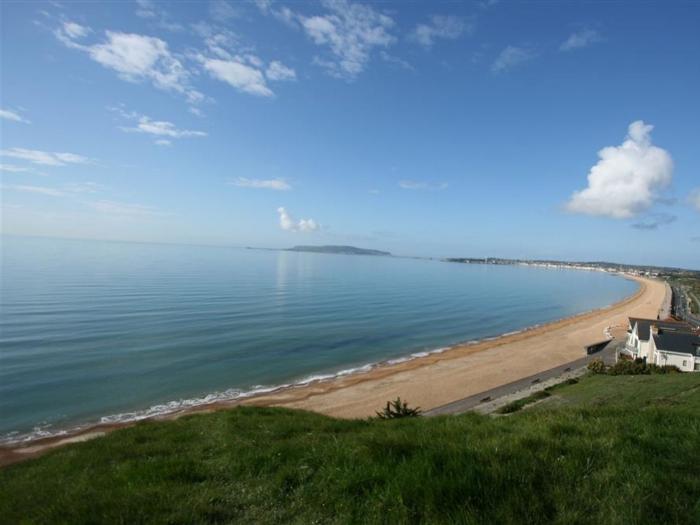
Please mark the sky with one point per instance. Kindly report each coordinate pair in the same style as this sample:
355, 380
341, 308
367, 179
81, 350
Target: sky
558, 130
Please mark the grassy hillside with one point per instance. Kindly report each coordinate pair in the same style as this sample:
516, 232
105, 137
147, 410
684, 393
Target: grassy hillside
606, 450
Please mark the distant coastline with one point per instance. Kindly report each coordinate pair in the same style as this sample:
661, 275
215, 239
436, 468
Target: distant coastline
344, 250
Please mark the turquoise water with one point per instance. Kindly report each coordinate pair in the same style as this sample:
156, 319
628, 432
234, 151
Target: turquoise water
92, 330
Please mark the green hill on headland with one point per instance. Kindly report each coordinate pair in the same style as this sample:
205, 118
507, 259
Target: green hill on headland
345, 250
610, 450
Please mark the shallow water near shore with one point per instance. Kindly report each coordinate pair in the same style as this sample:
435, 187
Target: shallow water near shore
111, 331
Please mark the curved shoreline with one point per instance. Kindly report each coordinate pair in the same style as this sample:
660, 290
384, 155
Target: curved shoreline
343, 395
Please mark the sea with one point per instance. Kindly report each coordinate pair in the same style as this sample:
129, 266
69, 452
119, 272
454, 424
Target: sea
97, 331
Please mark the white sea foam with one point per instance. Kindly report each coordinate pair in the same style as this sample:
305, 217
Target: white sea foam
229, 395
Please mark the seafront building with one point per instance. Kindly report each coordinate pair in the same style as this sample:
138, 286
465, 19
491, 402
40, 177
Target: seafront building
663, 343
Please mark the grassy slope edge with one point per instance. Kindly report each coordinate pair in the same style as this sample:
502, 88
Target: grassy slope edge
618, 449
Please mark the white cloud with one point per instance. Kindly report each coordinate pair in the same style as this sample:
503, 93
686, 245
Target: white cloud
14, 116
396, 61
74, 30
69, 32
654, 220
11, 168
626, 179
243, 77
84, 187
266, 184
350, 31
447, 27
162, 128
137, 58
417, 185
511, 57
150, 10
146, 9
121, 208
222, 11
283, 14
583, 38
159, 128
694, 198
287, 223
278, 71
42, 190
44, 157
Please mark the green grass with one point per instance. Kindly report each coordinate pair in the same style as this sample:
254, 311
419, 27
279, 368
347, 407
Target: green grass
518, 404
617, 450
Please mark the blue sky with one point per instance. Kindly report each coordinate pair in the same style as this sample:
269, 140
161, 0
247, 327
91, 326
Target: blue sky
514, 129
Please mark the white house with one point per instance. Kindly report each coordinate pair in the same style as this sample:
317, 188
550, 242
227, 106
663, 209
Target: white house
678, 349
663, 343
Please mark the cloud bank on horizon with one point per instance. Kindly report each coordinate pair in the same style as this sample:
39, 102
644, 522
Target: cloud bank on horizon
627, 179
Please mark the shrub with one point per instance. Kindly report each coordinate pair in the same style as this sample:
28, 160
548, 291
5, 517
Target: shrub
596, 366
398, 409
664, 369
629, 368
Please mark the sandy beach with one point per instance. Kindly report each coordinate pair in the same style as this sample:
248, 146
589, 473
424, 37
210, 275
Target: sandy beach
465, 370
430, 381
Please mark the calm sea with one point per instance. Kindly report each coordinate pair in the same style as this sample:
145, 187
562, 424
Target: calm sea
104, 330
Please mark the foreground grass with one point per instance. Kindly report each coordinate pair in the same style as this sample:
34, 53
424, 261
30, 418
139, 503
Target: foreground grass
633, 459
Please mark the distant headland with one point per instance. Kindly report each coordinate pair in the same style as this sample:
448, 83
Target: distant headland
346, 250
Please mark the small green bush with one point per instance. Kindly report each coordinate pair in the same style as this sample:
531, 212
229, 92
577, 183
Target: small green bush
397, 409
596, 366
629, 368
640, 367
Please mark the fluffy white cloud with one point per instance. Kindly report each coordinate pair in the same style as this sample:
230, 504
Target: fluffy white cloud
511, 57
287, 223
12, 115
350, 31
417, 185
448, 27
583, 38
241, 76
44, 157
135, 58
162, 142
694, 198
626, 179
278, 71
265, 184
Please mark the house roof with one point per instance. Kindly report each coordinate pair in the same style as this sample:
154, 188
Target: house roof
678, 342
644, 327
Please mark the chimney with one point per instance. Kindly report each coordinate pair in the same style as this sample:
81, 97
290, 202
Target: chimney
654, 329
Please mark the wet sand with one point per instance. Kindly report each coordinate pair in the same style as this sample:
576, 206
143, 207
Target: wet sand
429, 381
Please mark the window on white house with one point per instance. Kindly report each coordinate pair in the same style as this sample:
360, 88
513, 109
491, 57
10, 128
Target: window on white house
685, 363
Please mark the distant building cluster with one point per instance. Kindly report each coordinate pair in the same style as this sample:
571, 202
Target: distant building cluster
646, 271
663, 343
